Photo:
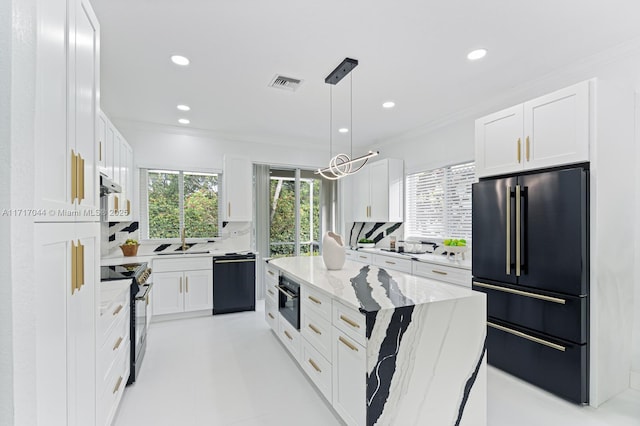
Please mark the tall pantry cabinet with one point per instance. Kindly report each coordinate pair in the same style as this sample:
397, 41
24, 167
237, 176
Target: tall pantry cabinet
66, 203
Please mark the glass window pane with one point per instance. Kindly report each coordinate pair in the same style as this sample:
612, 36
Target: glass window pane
164, 205
309, 215
282, 216
200, 205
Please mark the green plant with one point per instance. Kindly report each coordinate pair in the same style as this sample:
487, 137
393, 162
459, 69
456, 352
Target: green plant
131, 242
366, 241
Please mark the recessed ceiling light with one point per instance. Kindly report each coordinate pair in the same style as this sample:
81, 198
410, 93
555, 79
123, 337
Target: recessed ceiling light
184, 107
180, 60
477, 54
388, 104
184, 121
343, 130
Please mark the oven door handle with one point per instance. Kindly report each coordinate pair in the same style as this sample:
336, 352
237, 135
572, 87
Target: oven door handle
286, 292
146, 292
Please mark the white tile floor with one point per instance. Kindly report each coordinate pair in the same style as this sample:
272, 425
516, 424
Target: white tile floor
231, 370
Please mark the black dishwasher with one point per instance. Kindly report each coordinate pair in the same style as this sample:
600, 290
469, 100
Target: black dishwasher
234, 283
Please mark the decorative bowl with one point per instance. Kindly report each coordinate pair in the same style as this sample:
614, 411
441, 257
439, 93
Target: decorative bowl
455, 250
129, 249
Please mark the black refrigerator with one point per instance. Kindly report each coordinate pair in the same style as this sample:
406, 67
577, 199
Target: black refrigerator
531, 258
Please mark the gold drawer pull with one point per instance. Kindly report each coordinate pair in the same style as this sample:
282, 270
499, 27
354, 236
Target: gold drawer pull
315, 329
347, 344
271, 316
118, 309
314, 300
270, 272
363, 257
118, 383
389, 262
271, 292
117, 345
349, 321
438, 272
288, 335
315, 366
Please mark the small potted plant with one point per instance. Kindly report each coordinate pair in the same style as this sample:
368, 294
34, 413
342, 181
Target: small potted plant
366, 243
130, 247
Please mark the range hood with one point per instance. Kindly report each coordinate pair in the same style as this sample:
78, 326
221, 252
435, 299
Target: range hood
107, 186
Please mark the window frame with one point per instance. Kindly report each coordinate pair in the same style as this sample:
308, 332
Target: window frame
144, 204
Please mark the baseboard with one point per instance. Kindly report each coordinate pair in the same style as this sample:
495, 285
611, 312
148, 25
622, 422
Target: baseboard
635, 380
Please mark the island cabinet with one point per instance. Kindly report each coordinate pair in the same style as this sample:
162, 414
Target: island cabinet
386, 347
271, 297
182, 285
548, 131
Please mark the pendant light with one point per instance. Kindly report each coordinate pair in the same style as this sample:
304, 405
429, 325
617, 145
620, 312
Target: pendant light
342, 165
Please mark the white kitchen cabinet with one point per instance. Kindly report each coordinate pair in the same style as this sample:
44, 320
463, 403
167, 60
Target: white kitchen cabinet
198, 293
182, 285
238, 189
120, 204
349, 379
67, 81
66, 263
548, 131
444, 273
378, 192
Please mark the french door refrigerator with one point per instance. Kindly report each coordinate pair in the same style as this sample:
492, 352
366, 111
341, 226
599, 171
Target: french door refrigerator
531, 258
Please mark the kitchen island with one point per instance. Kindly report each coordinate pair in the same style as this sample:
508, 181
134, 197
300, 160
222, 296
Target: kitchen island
401, 349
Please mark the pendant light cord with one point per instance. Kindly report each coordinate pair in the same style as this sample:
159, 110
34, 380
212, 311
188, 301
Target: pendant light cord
351, 113
330, 122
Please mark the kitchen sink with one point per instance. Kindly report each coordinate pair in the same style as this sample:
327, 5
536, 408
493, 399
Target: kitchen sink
182, 253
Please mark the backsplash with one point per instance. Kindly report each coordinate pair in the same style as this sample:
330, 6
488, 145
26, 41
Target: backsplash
234, 237
379, 232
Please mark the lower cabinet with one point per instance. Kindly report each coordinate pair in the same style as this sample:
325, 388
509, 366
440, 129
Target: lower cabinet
349, 378
185, 291
445, 273
290, 337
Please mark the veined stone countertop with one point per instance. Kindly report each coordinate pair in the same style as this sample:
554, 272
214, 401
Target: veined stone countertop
369, 288
455, 262
121, 260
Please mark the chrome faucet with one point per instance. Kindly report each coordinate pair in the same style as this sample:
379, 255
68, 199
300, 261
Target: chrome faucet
183, 238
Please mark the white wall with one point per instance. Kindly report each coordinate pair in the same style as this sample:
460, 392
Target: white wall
452, 142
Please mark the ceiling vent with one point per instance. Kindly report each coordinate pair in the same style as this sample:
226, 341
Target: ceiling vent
286, 83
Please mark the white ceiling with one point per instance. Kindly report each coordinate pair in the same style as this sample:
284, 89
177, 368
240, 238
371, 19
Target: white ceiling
412, 52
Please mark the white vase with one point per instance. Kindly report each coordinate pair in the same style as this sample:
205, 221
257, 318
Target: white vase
333, 251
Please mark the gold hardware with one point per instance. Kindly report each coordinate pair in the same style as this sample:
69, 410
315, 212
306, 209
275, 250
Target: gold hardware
271, 292
286, 333
117, 345
314, 300
74, 176
80, 177
363, 257
100, 151
522, 293
389, 262
348, 344
128, 207
118, 383
527, 336
519, 149
80, 265
183, 238
435, 271
147, 300
116, 202
272, 317
229, 209
518, 230
508, 210
315, 366
117, 310
270, 272
180, 284
186, 284
313, 327
349, 321
74, 269
527, 150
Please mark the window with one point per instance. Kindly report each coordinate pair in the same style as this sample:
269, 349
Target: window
438, 202
180, 199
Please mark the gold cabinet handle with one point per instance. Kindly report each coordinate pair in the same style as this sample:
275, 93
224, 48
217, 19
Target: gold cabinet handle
116, 202
80, 254
349, 321
117, 310
315, 329
100, 151
229, 209
314, 300
271, 292
315, 366
271, 316
186, 285
74, 268
347, 343
518, 224
527, 336
519, 149
363, 257
435, 271
180, 284
271, 273
74, 176
389, 262
118, 383
147, 300
288, 335
80, 177
527, 148
508, 216
117, 345
128, 207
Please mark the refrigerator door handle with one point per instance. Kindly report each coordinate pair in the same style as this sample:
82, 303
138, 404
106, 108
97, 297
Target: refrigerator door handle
518, 230
508, 216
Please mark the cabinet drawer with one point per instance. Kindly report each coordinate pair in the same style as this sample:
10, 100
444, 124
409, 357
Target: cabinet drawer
349, 321
442, 273
317, 368
316, 301
271, 292
271, 273
394, 263
552, 364
113, 314
358, 256
289, 336
316, 330
116, 342
182, 264
111, 394
271, 314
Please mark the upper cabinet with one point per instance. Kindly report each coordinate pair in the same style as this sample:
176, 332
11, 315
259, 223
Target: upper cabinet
548, 131
238, 189
66, 157
377, 192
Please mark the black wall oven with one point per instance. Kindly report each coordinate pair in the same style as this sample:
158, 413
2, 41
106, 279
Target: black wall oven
289, 300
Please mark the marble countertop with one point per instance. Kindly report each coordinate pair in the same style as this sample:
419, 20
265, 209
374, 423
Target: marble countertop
367, 287
120, 259
111, 290
455, 262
